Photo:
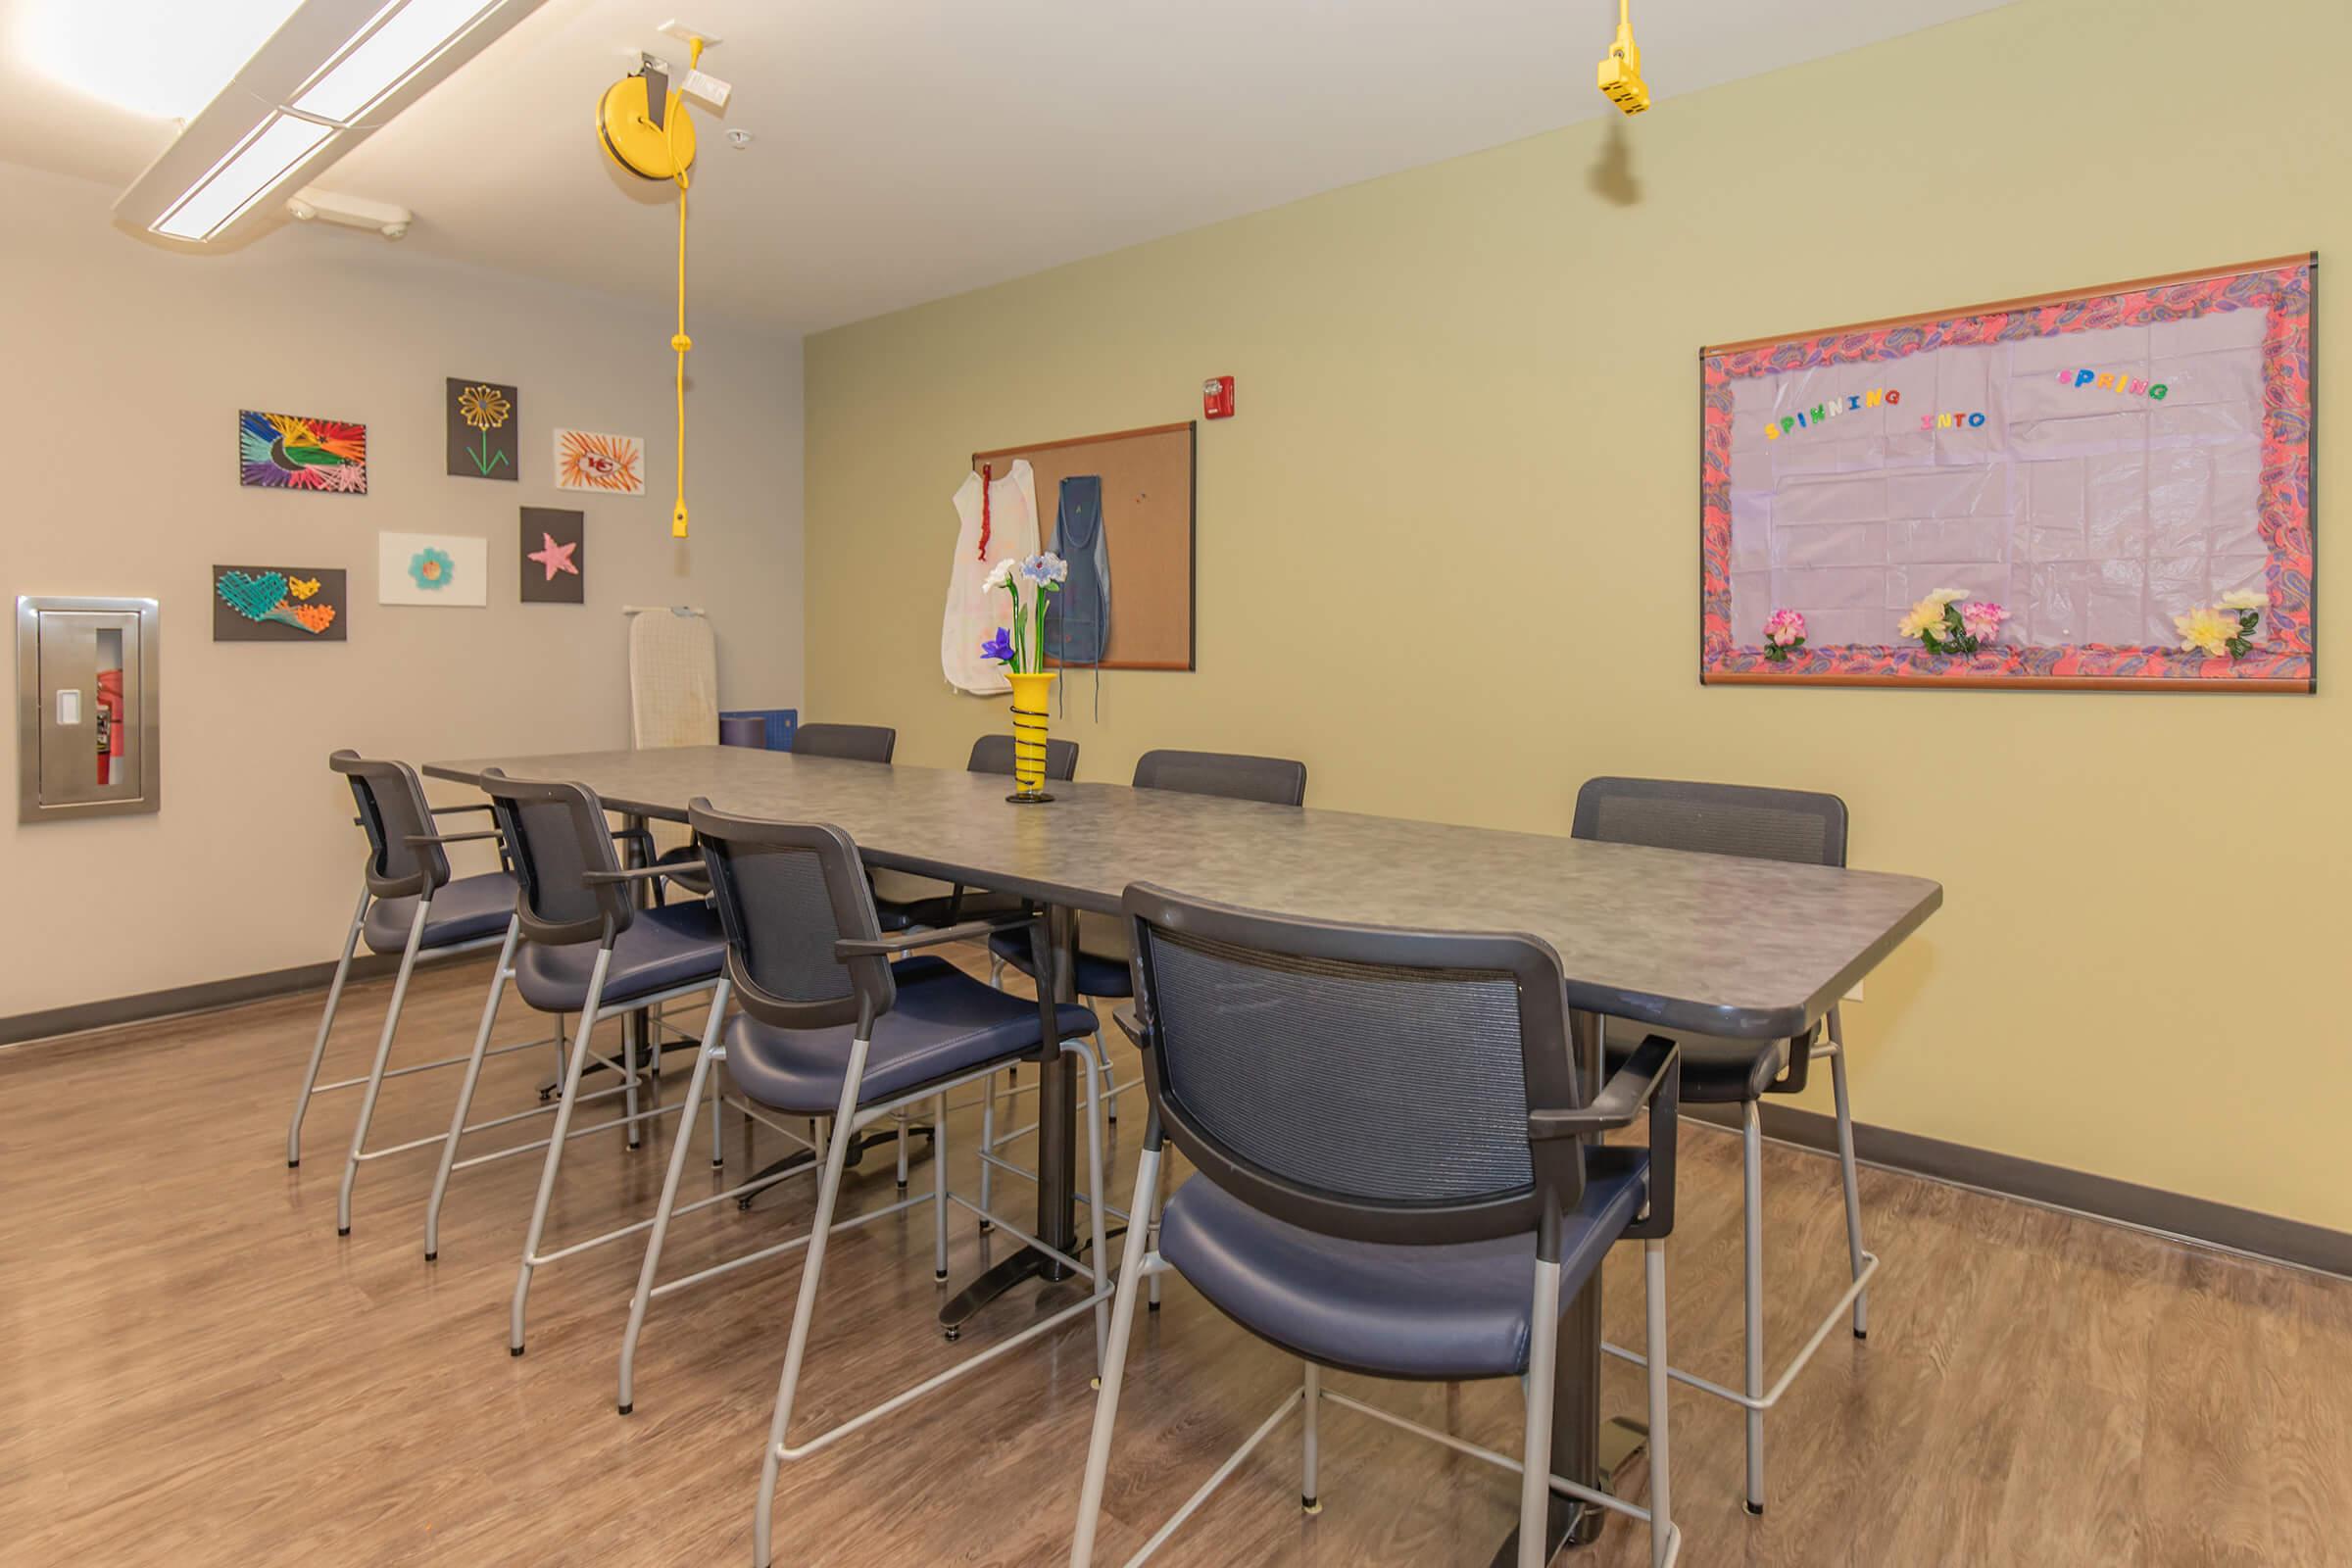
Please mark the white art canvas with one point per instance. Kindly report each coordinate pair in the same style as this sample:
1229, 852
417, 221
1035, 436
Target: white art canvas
431, 569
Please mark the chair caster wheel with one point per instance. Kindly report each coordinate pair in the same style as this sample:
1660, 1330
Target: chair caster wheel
950, 1335
626, 1408
342, 1229
939, 1276
1311, 1504
1755, 1510
513, 1350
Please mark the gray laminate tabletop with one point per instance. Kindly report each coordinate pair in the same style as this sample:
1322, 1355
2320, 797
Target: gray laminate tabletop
1697, 943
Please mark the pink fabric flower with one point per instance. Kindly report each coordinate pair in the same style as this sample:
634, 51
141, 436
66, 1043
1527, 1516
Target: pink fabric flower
1981, 619
1786, 626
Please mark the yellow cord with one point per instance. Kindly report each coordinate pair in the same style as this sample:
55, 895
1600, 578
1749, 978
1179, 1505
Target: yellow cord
679, 342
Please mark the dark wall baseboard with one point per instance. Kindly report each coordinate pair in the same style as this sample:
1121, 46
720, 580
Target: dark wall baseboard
149, 1005
2190, 1219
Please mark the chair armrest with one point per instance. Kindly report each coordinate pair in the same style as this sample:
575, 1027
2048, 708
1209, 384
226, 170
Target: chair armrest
1132, 1027
1632, 1087
452, 810
634, 873
642, 838
450, 838
899, 942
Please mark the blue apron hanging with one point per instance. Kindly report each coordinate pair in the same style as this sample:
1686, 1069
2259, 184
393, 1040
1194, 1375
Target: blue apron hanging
1078, 619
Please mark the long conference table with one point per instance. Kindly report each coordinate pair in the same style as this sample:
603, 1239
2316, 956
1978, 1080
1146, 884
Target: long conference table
1687, 944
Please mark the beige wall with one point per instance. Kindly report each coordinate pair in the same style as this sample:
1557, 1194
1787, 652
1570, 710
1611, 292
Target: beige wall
1448, 550
127, 369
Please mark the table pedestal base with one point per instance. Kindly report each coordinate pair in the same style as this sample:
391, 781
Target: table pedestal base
1026, 1264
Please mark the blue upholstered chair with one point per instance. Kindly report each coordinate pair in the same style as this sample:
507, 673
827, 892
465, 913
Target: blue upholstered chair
1764, 825
902, 902
1398, 1173
831, 1026
409, 904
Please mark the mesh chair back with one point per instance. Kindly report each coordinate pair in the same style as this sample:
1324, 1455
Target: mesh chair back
1356, 1080
786, 893
852, 743
1761, 824
390, 799
555, 834
993, 754
1272, 779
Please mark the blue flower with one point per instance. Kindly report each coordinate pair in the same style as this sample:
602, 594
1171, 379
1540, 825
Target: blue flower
431, 569
1045, 569
998, 646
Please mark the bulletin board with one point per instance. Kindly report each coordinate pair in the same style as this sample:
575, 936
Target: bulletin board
2116, 468
1148, 528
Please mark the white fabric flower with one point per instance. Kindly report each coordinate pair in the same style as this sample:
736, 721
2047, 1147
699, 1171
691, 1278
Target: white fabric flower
1001, 574
2246, 599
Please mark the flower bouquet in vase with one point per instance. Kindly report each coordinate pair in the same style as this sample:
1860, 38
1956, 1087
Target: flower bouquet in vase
1021, 650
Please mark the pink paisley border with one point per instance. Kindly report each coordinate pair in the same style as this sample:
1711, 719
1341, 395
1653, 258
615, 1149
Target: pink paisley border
2285, 654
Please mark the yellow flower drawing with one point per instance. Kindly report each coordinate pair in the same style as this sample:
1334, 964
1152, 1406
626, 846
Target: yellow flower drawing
301, 587
484, 408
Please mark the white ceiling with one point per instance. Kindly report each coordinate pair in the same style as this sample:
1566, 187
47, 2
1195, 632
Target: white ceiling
910, 149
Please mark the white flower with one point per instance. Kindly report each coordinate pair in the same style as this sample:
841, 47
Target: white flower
1945, 596
1001, 574
2246, 599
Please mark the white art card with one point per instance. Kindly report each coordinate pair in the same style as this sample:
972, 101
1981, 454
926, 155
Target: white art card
431, 569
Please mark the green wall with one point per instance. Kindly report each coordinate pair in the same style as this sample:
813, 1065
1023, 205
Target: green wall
1448, 548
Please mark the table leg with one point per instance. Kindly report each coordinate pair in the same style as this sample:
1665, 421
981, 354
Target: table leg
1576, 1381
1056, 1146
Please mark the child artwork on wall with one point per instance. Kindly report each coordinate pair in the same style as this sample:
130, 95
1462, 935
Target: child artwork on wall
431, 569
278, 604
295, 452
484, 421
554, 556
586, 460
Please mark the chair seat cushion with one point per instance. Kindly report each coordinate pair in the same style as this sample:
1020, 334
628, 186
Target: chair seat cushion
1399, 1311
672, 945
1715, 1072
1098, 973
466, 909
944, 1022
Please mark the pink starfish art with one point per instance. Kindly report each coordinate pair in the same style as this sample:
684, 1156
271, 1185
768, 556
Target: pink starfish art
554, 557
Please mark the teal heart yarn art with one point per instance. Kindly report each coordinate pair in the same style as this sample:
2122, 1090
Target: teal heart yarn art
251, 597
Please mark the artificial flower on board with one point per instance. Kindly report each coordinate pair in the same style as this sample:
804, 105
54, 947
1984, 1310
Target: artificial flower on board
1783, 634
1022, 650
2226, 629
1949, 622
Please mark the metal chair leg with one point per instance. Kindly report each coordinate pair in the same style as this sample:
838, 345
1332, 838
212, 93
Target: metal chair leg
647, 1270
376, 1073
939, 1188
988, 1148
629, 1051
555, 1148
327, 1021
1752, 1201
718, 1149
1854, 1191
499, 976
1534, 1481
805, 1309
1115, 1367
901, 1120
1097, 1195
1155, 1230
1102, 1065
1661, 1501
1310, 1494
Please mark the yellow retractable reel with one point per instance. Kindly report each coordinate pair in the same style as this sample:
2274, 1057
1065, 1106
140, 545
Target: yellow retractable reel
1619, 74
644, 126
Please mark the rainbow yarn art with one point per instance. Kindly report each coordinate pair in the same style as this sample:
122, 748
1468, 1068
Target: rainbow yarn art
289, 452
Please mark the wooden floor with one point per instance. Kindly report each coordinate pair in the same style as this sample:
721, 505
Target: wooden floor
194, 1370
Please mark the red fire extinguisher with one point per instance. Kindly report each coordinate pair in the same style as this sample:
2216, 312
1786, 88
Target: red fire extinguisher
109, 723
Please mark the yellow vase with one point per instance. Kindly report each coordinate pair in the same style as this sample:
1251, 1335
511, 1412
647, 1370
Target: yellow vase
1031, 694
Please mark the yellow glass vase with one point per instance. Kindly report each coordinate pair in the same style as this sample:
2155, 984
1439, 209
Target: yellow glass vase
1031, 694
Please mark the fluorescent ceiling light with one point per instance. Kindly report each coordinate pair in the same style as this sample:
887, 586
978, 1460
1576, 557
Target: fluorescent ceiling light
239, 182
408, 41
164, 59
332, 74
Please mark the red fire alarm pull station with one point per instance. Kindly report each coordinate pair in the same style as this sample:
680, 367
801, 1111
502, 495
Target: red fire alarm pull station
1216, 397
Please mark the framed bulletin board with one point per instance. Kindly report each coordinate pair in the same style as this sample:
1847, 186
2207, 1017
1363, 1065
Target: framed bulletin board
2123, 473
1148, 521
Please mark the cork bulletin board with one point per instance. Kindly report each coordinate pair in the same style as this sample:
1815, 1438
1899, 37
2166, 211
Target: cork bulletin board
2113, 487
1147, 524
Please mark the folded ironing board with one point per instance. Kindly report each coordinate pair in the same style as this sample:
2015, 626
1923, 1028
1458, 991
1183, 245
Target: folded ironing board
673, 678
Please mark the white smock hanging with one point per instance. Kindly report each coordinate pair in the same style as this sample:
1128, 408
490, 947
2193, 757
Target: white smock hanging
997, 521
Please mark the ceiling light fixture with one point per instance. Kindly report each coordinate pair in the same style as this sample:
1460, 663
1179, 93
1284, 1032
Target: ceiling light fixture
326, 80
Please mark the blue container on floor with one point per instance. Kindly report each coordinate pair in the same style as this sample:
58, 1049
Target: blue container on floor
780, 723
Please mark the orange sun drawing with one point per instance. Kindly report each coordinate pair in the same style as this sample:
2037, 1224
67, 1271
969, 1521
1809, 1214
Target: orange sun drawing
586, 460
